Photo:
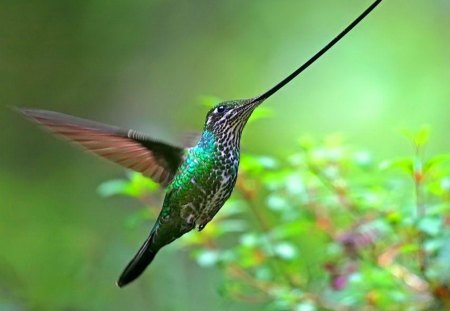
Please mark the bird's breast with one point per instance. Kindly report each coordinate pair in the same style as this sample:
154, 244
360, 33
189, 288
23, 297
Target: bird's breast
204, 183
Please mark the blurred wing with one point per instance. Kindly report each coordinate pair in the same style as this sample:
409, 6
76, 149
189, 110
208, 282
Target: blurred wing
129, 148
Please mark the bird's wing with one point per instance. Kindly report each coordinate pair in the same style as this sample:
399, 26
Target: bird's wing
128, 148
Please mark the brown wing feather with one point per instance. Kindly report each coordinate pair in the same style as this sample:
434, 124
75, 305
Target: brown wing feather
130, 149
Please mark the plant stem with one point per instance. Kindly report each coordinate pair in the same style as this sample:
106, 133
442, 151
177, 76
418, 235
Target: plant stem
418, 175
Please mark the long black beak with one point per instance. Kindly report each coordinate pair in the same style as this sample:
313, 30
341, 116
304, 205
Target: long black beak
259, 99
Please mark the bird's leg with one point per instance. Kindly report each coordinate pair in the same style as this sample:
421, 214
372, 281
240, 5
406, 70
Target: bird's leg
189, 214
201, 226
203, 222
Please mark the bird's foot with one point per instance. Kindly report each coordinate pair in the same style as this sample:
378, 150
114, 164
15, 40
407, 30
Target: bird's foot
201, 227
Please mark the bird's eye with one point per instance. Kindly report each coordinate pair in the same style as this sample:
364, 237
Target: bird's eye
220, 109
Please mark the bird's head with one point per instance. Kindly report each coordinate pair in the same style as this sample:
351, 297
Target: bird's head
230, 117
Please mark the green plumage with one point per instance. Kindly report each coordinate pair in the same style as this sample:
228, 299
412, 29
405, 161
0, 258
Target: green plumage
201, 185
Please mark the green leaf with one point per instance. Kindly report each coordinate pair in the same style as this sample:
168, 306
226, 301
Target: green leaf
263, 273
207, 258
249, 240
251, 164
232, 225
437, 161
435, 188
430, 225
295, 184
274, 179
113, 187
420, 138
363, 159
305, 306
407, 133
277, 203
268, 162
404, 164
257, 164
286, 250
409, 248
445, 184
433, 245
441, 208
422, 135
141, 184
291, 229
136, 186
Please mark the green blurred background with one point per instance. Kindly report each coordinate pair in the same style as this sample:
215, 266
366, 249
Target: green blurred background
145, 64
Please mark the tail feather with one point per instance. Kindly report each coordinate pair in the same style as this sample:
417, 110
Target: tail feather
138, 264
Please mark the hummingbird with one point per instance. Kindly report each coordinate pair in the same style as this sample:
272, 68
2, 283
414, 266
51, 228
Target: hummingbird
198, 180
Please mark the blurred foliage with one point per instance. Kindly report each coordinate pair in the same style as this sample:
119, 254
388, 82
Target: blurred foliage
142, 64
327, 228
